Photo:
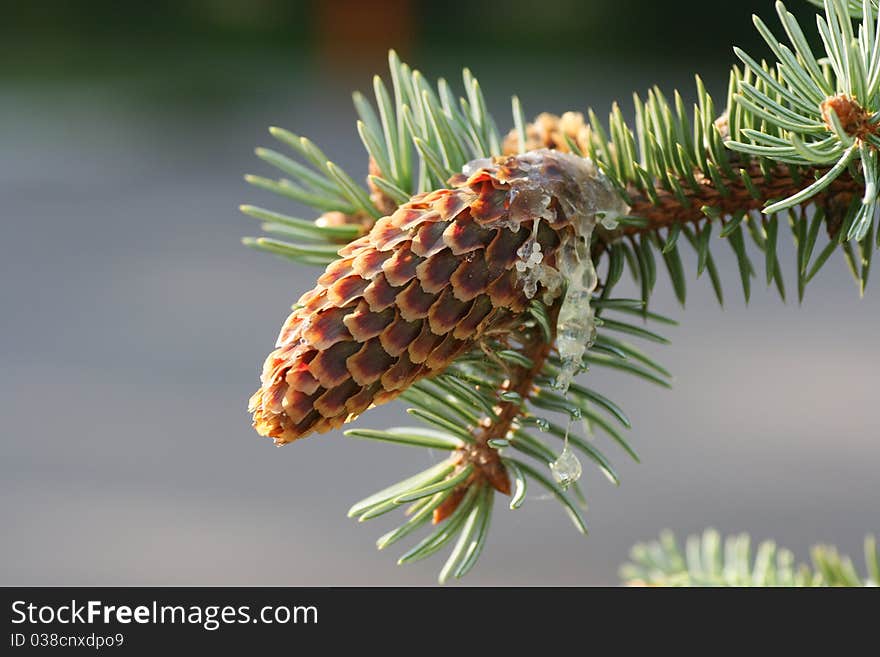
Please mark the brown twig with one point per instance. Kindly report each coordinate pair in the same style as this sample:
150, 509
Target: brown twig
736, 198
486, 460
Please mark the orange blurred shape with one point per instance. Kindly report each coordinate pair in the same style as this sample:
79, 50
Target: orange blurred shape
353, 35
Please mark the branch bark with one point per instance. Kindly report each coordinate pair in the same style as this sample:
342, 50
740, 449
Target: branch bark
736, 197
485, 458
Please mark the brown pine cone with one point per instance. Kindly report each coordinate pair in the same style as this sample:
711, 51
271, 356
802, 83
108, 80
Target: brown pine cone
549, 131
421, 288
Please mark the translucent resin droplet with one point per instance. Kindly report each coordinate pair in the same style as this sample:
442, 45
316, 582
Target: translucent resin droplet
529, 264
576, 326
567, 468
609, 221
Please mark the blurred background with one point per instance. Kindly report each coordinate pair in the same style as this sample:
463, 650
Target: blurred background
134, 324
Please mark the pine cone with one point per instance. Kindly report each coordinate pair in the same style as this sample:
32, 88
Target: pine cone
549, 131
421, 288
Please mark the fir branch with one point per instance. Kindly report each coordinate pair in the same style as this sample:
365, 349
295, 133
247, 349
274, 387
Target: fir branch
795, 143
707, 203
797, 135
708, 560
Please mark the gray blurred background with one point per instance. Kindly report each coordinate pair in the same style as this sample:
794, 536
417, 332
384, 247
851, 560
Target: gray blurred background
134, 323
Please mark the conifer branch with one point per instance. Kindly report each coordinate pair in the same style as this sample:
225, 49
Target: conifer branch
708, 203
473, 276
707, 560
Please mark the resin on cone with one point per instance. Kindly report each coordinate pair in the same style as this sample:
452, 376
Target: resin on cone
423, 286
